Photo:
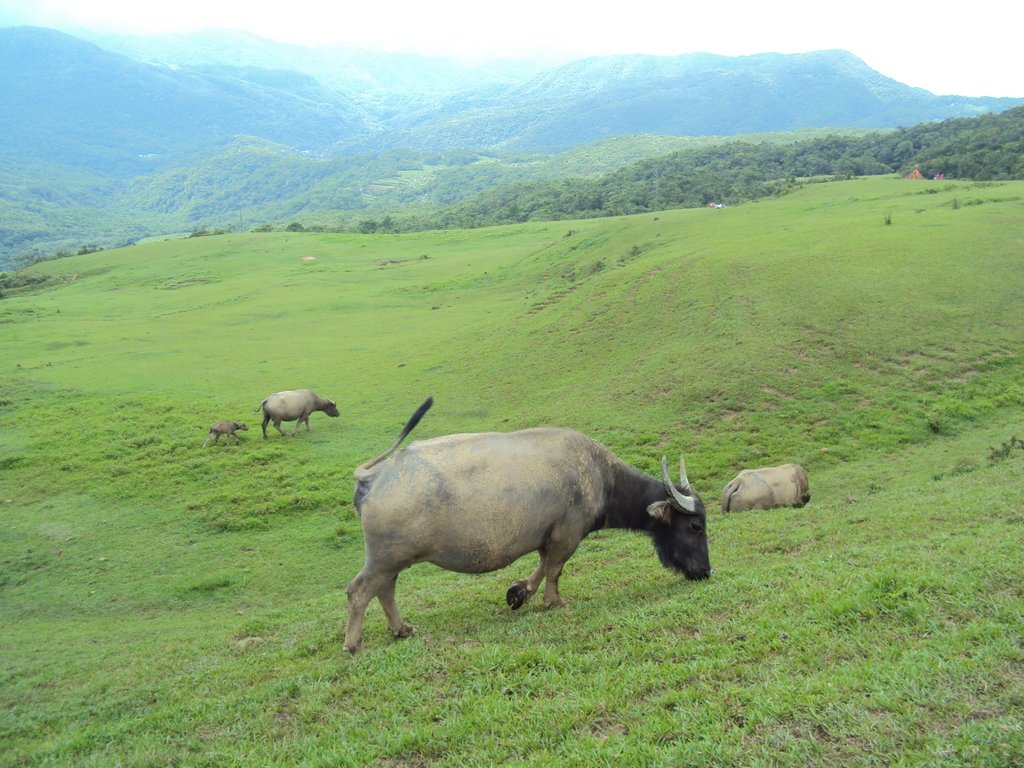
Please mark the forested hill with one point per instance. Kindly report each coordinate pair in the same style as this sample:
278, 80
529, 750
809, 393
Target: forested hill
419, 191
990, 147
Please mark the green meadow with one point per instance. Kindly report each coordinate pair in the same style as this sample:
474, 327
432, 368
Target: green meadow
164, 604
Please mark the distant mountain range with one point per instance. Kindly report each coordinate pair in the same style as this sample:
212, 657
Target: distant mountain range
66, 100
81, 120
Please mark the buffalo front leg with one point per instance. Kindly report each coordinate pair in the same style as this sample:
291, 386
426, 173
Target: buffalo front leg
552, 599
523, 589
558, 554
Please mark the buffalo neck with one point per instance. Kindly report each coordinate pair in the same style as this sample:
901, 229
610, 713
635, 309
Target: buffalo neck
628, 494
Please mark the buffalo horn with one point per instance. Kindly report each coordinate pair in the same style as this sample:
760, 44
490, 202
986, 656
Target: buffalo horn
683, 479
680, 501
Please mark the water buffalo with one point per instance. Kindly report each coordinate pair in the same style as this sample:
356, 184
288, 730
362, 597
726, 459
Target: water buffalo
294, 405
474, 503
225, 428
765, 488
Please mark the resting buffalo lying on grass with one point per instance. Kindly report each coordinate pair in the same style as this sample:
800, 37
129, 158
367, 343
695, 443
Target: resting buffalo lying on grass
294, 405
225, 428
765, 488
474, 503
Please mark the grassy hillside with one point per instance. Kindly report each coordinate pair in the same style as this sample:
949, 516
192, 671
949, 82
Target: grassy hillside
164, 604
251, 183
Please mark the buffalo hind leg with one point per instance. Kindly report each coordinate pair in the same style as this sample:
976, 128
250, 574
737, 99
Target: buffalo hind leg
361, 590
523, 589
398, 627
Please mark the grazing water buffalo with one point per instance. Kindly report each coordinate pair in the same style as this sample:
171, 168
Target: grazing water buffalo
765, 488
294, 405
225, 428
474, 503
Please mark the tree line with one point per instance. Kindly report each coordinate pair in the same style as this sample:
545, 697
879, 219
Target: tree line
989, 147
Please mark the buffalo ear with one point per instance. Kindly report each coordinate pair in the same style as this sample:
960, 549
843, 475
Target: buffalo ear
661, 510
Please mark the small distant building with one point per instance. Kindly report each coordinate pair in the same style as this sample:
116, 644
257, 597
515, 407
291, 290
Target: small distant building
915, 174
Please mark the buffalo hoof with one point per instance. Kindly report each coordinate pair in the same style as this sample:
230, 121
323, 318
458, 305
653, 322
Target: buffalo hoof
406, 630
516, 596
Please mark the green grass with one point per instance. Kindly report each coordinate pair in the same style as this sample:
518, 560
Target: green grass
165, 604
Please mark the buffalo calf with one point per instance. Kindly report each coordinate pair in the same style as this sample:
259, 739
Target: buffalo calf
227, 428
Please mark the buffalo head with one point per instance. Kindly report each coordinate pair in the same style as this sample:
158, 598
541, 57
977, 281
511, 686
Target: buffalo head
680, 530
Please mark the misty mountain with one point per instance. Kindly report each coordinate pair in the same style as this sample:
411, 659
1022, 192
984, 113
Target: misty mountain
66, 101
689, 95
384, 82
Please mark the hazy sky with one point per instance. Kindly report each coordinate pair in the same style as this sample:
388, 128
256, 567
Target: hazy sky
966, 50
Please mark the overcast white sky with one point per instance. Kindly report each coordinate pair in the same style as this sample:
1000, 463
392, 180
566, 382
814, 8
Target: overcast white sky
962, 48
